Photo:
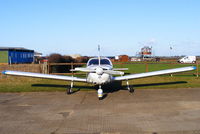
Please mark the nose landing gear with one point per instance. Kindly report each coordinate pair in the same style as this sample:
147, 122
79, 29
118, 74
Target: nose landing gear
100, 93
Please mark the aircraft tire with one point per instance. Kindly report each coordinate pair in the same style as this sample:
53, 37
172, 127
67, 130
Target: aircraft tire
69, 91
131, 90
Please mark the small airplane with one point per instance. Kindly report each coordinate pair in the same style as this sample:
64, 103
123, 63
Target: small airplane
100, 71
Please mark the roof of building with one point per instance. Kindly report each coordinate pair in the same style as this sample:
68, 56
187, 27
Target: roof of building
16, 49
37, 54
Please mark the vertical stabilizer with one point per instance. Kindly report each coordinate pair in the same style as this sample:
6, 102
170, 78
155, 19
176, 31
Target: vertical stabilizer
99, 57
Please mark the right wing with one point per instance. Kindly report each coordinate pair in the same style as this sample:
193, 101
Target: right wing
154, 73
47, 76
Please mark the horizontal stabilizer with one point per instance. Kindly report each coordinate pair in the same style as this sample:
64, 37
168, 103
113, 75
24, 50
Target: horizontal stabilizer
120, 69
111, 72
88, 70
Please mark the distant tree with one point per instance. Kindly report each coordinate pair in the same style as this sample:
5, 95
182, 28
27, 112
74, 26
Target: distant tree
57, 58
68, 59
83, 59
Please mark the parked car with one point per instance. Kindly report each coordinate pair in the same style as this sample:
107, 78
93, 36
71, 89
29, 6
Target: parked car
188, 59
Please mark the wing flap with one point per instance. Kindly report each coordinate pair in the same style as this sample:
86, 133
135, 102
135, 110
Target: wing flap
46, 76
154, 73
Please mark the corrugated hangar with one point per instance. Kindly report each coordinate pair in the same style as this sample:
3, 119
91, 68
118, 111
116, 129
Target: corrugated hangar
16, 55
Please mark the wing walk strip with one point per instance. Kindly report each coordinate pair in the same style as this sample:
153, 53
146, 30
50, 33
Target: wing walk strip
47, 76
154, 73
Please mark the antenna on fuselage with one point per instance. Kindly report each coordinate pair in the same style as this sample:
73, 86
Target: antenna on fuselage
99, 57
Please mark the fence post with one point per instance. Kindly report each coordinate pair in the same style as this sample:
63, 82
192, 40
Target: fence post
49, 68
172, 67
197, 66
44, 68
147, 67
72, 67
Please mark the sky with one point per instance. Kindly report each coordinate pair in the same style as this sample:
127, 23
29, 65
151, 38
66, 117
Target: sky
118, 26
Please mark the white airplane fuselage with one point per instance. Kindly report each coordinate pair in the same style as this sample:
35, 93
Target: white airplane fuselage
98, 76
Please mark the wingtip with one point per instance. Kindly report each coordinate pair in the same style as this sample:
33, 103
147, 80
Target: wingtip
194, 67
4, 72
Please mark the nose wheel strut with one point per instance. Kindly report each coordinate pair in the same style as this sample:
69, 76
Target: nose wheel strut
100, 93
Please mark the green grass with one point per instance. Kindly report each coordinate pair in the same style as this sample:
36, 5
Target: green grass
180, 80
25, 84
140, 68
166, 82
22, 84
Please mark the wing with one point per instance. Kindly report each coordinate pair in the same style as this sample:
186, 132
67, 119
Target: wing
141, 75
47, 76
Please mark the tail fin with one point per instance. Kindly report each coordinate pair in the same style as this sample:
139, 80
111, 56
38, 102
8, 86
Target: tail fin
99, 57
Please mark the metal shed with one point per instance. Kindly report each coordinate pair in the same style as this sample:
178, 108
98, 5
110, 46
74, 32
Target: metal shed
16, 55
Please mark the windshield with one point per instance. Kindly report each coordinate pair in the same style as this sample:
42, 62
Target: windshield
96, 62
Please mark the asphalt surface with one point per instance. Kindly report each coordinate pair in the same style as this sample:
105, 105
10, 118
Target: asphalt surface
149, 111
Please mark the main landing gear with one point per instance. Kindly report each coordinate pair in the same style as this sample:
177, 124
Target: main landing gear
69, 90
130, 88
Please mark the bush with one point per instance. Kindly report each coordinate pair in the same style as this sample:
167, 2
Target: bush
57, 58
82, 59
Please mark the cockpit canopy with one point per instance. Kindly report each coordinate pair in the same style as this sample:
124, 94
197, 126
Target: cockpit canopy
95, 61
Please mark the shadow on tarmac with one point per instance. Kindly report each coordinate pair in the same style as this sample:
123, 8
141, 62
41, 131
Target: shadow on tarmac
108, 88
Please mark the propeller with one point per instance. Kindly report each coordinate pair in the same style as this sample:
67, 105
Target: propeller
99, 70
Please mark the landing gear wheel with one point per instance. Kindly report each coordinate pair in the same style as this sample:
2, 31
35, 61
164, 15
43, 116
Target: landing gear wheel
100, 93
130, 89
69, 91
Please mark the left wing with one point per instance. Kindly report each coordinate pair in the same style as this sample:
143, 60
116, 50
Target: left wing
47, 76
167, 71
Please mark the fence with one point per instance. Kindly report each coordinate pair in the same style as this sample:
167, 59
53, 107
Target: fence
36, 68
134, 67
